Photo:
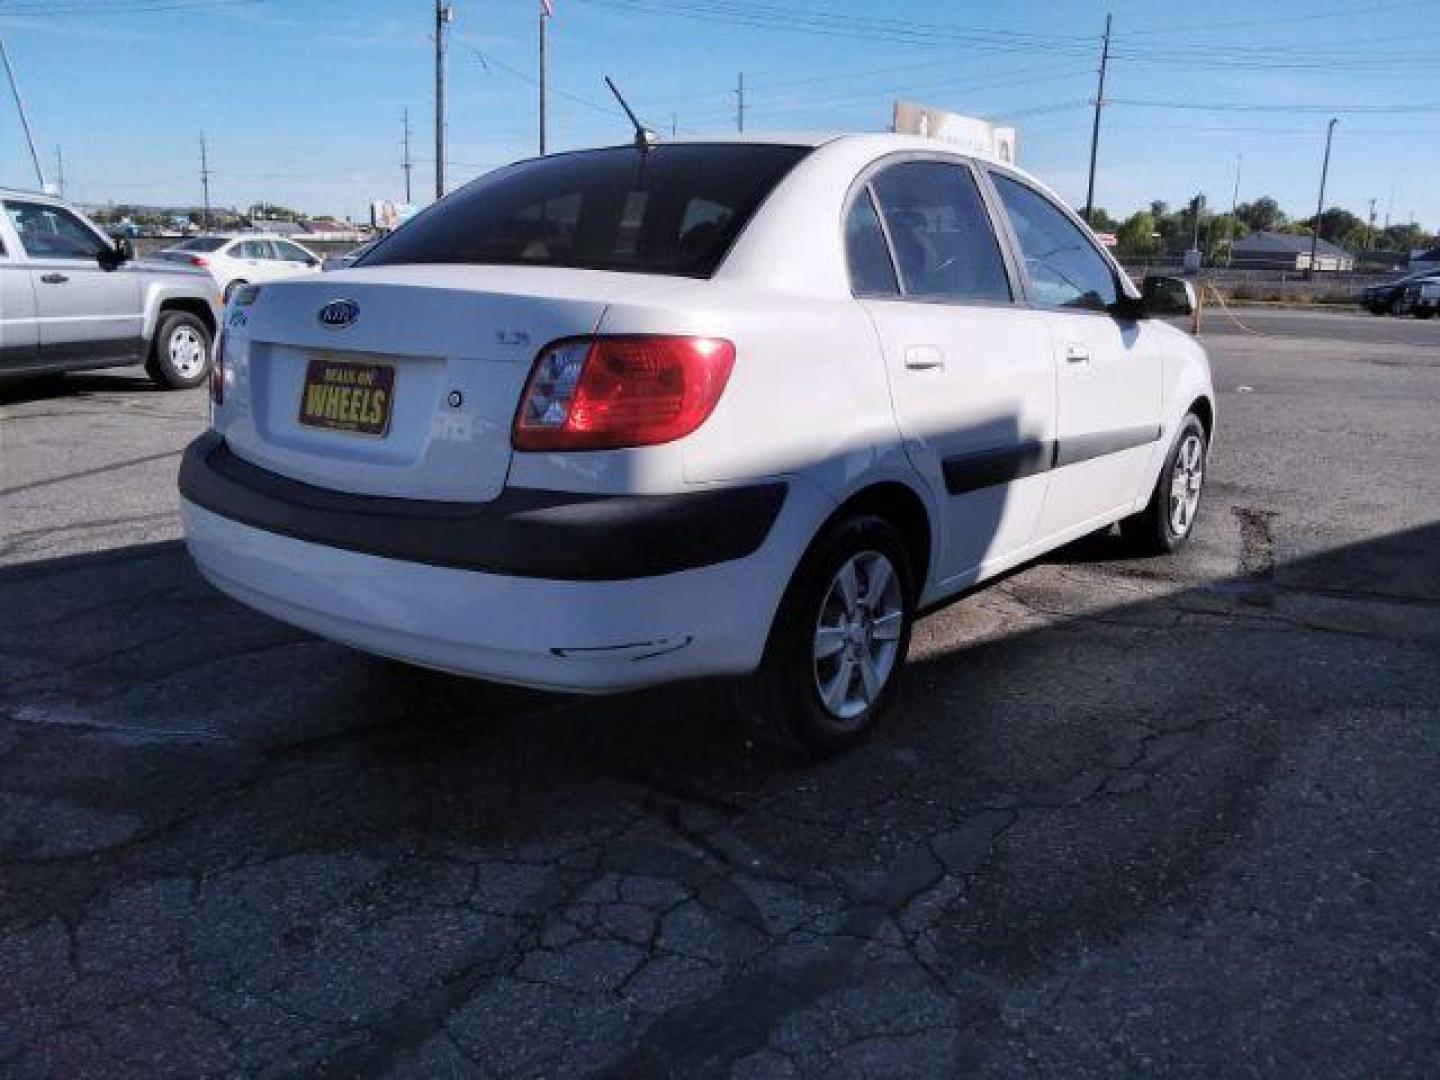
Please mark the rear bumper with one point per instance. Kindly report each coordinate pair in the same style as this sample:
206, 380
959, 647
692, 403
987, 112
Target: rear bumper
576, 633
523, 533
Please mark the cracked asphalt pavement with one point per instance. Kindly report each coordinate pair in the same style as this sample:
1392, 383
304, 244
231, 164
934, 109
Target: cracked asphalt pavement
1174, 816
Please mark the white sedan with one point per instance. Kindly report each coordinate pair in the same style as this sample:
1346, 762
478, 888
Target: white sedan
235, 259
608, 418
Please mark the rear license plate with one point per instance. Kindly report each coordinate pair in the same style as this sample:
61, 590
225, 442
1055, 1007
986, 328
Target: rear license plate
341, 395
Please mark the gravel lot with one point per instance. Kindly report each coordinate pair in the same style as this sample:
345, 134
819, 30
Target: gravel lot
1173, 816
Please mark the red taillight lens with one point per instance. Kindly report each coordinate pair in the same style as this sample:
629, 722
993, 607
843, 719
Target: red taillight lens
199, 260
605, 393
217, 371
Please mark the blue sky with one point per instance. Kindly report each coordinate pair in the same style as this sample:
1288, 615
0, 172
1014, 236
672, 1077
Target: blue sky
301, 99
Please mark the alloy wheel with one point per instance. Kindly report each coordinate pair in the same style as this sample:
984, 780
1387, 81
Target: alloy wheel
1185, 483
857, 634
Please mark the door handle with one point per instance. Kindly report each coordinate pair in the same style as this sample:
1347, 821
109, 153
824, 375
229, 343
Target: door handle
920, 357
54, 279
1077, 354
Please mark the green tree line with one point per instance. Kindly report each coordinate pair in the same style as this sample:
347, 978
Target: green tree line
1160, 230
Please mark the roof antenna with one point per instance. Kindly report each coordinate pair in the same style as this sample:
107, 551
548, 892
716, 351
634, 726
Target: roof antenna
644, 137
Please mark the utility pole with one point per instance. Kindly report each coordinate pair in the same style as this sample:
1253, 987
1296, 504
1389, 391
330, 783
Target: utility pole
1095, 130
205, 180
1234, 206
24, 119
444, 14
1370, 224
674, 123
740, 103
60, 170
1320, 206
405, 165
544, 17
1199, 209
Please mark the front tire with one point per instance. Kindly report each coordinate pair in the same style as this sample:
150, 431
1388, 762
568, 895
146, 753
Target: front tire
1168, 520
831, 665
180, 356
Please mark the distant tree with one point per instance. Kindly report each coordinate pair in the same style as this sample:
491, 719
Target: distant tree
1404, 237
1262, 215
273, 212
1222, 231
1336, 223
1100, 221
1136, 236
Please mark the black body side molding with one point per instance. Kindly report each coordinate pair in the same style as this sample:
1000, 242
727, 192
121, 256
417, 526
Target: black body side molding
974, 471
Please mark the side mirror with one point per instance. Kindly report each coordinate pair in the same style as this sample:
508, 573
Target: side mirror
1167, 297
122, 252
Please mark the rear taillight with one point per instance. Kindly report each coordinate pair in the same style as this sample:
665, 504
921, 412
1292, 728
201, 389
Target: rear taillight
199, 260
217, 371
605, 393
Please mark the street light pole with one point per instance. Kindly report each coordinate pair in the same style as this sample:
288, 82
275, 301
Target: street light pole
1234, 206
1320, 206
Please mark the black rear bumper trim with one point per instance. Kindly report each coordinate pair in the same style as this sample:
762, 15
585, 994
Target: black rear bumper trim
523, 532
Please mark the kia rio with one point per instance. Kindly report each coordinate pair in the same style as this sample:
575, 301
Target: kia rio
609, 418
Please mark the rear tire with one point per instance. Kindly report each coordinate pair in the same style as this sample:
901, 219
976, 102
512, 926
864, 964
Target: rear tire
832, 662
180, 355
1168, 520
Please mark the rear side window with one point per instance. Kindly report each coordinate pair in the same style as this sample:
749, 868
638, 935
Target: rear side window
202, 243
675, 209
871, 271
944, 245
1065, 269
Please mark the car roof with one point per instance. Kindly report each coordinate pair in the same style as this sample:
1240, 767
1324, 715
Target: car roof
27, 193
877, 142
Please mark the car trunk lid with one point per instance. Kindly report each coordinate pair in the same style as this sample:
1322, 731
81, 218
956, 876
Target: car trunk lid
408, 385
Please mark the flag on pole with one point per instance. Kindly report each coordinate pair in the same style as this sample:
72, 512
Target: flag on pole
547, 9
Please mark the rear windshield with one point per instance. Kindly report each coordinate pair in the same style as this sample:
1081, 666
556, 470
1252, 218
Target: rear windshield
202, 243
672, 210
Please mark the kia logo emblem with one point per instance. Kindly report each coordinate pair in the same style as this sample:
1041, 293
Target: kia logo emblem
338, 314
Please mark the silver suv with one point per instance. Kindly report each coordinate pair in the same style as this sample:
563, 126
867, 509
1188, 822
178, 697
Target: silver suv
74, 299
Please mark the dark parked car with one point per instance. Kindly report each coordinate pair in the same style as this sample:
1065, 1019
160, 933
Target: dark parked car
1386, 298
1421, 298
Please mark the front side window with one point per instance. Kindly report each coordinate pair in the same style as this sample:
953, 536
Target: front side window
51, 232
674, 209
291, 252
1065, 269
944, 246
871, 271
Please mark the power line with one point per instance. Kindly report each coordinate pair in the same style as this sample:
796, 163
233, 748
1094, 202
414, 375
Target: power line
117, 7
1245, 106
1366, 9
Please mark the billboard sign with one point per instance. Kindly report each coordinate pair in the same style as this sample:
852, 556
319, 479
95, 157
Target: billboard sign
389, 215
969, 133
